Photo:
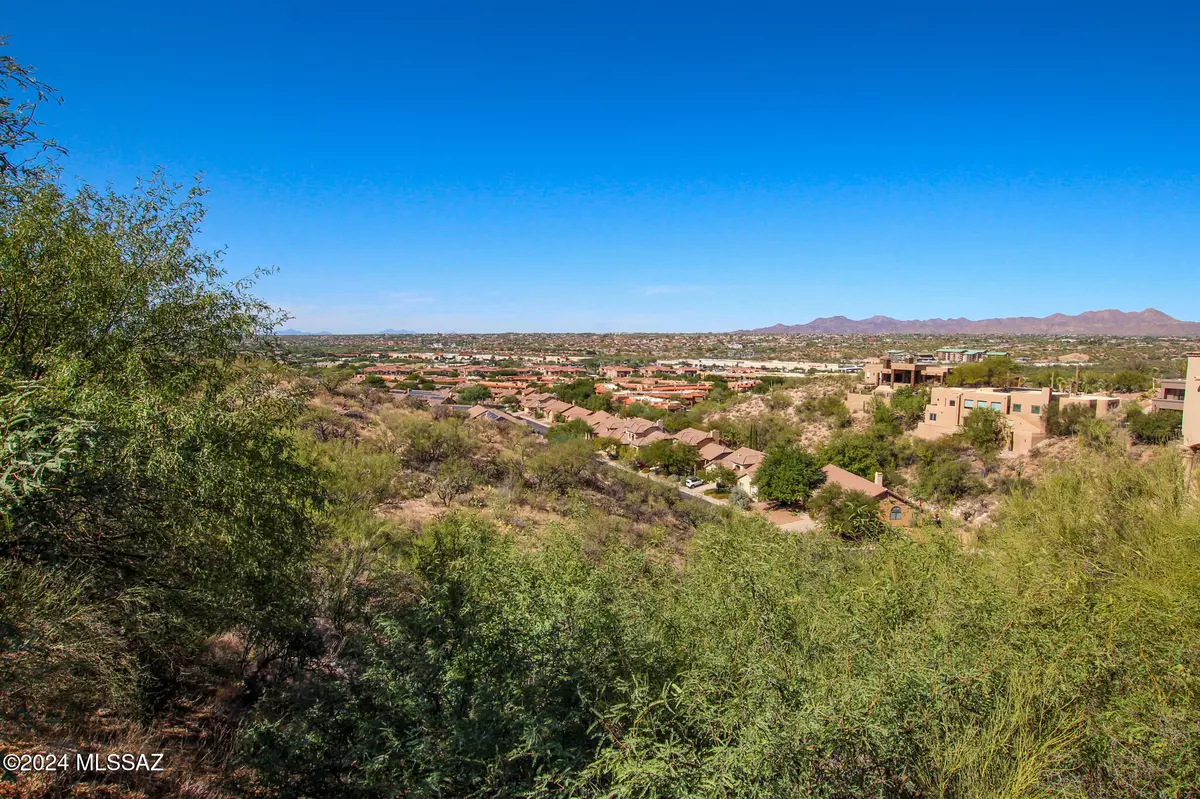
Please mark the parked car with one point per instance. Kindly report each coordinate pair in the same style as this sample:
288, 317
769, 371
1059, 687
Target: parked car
693, 482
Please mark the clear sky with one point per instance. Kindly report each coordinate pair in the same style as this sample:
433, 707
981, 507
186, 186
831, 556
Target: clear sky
563, 166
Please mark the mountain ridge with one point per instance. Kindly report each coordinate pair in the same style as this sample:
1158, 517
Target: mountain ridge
1150, 322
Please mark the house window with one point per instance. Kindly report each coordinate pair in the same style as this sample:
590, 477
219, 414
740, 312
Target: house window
1035, 409
996, 406
951, 403
1016, 407
968, 403
896, 513
933, 417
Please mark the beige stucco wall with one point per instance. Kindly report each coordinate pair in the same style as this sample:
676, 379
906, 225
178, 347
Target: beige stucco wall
906, 512
1191, 402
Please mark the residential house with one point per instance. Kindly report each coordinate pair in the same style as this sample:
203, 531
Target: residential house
575, 412
1023, 409
1101, 405
904, 370
1169, 395
430, 398
893, 508
712, 453
609, 427
696, 438
641, 432
492, 415
555, 407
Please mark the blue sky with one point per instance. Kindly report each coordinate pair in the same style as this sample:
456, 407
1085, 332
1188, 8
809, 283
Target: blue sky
482, 166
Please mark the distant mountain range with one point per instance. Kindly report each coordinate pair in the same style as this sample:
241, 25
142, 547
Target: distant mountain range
288, 331
1111, 323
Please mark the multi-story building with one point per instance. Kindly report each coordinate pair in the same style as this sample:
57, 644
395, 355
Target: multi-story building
902, 369
1169, 395
962, 355
1024, 411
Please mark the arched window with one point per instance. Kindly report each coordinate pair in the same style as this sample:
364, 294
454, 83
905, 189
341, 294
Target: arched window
896, 513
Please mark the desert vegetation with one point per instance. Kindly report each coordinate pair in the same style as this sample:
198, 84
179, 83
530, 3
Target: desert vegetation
302, 587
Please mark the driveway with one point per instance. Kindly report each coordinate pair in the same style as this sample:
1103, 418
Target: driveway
791, 520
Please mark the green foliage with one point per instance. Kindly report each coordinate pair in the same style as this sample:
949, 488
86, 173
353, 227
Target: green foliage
757, 432
563, 465
779, 400
994, 371
427, 443
788, 474
848, 514
831, 407
331, 378
146, 467
1130, 381
575, 428
454, 478
673, 456
908, 405
984, 430
577, 392
374, 380
773, 664
724, 477
942, 477
473, 394
1156, 427
740, 499
861, 453
1067, 421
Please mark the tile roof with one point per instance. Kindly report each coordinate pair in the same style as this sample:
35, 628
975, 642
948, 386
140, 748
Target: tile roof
852, 482
713, 451
743, 457
692, 436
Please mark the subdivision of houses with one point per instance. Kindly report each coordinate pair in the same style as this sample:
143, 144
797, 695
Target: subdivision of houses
617, 372
893, 508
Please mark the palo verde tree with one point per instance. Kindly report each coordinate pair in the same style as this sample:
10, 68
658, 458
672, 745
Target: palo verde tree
151, 487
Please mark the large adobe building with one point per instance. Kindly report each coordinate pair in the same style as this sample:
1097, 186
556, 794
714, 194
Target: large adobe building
1024, 411
897, 368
